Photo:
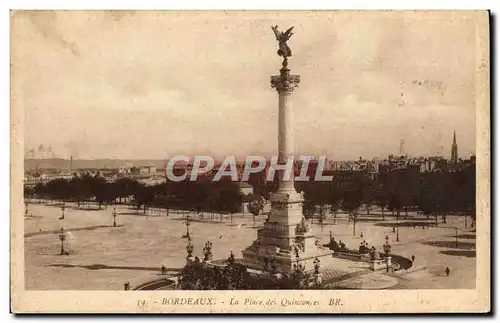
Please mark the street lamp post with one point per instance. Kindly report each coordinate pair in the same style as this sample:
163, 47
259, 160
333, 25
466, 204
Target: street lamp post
387, 246
187, 223
189, 249
397, 232
297, 257
316, 266
114, 217
63, 207
207, 252
321, 221
62, 237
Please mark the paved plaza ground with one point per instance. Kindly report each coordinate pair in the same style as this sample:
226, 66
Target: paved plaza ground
104, 258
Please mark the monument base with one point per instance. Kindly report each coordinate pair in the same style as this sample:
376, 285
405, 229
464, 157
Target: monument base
285, 238
254, 258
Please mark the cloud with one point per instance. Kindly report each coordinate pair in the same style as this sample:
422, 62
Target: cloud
155, 83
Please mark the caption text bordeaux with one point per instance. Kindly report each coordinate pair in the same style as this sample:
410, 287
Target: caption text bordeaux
245, 301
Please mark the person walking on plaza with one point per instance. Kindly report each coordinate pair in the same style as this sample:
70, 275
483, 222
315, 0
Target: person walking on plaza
447, 271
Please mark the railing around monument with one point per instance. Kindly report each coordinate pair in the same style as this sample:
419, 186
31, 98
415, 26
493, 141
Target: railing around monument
168, 280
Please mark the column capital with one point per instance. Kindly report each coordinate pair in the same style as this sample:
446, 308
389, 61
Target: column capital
285, 82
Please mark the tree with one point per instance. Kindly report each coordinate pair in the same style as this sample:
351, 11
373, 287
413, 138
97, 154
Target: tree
308, 209
144, 196
335, 201
100, 190
40, 190
381, 199
431, 195
368, 196
125, 187
351, 204
255, 207
29, 192
395, 204
106, 194
81, 188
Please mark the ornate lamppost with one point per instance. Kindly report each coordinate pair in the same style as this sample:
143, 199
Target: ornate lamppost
317, 276
207, 251
187, 223
397, 232
62, 237
316, 263
387, 247
297, 266
189, 249
114, 217
63, 207
231, 259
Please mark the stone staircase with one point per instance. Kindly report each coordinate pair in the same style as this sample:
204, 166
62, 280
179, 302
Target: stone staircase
331, 276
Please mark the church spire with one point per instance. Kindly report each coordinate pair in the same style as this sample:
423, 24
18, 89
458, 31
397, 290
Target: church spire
454, 148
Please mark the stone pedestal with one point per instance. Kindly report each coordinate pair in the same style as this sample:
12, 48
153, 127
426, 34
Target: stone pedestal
189, 260
318, 278
379, 264
285, 234
388, 262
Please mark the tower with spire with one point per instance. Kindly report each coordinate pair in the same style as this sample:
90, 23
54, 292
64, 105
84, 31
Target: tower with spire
454, 148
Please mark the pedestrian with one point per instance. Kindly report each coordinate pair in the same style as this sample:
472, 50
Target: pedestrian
413, 258
447, 271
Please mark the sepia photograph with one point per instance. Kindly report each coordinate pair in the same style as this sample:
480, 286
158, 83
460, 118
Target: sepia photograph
250, 162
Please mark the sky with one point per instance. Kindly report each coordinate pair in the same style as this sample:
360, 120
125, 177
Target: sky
151, 85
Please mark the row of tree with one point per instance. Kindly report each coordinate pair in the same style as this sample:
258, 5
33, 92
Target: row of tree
397, 191
200, 196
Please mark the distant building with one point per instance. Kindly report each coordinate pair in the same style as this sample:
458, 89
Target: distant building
144, 170
245, 188
147, 170
126, 169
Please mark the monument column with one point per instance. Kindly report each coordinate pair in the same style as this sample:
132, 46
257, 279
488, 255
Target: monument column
284, 85
285, 240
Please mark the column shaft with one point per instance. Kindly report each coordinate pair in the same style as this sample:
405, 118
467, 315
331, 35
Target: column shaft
285, 137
